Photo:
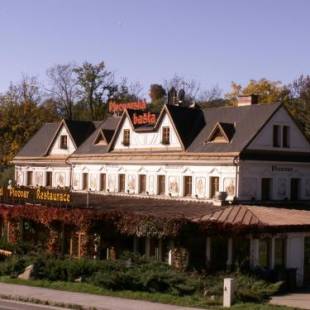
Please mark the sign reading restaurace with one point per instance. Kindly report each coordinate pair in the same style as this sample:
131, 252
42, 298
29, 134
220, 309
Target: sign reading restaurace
116, 107
35, 195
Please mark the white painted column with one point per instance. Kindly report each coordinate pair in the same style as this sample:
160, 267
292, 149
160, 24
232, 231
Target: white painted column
295, 256
44, 178
171, 246
254, 249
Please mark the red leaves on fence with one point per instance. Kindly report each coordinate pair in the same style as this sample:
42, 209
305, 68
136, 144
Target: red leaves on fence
125, 222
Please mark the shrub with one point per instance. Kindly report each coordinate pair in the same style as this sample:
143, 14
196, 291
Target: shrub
13, 266
148, 276
6, 174
138, 274
249, 287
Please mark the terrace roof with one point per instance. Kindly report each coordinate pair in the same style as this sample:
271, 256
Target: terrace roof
129, 213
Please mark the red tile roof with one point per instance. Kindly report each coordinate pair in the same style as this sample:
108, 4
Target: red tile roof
256, 215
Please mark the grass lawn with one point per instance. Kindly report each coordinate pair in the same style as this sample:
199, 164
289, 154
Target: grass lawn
251, 306
190, 301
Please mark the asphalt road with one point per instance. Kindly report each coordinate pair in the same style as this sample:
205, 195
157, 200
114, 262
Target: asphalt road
14, 305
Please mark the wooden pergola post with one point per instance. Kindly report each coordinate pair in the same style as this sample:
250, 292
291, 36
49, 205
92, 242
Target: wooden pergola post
135, 244
208, 251
272, 252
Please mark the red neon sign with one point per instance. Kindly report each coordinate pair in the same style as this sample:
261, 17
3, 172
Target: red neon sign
120, 107
145, 118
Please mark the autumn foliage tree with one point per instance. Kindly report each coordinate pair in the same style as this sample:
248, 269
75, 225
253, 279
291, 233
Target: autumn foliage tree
268, 91
93, 81
158, 95
22, 114
298, 101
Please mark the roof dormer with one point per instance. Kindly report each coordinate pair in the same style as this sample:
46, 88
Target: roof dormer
221, 133
103, 137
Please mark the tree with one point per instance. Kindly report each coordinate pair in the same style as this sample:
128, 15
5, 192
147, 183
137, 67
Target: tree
212, 98
157, 92
158, 96
125, 92
191, 87
298, 101
63, 88
93, 82
212, 94
268, 91
22, 115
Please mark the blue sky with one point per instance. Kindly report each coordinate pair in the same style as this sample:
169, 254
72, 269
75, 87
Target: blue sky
213, 42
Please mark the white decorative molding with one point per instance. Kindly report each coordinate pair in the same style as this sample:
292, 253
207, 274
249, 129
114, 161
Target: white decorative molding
121, 170
187, 171
215, 171
142, 170
103, 169
161, 170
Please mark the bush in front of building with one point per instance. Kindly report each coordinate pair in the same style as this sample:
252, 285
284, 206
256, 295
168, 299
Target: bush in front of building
13, 266
6, 174
134, 274
140, 275
249, 287
149, 277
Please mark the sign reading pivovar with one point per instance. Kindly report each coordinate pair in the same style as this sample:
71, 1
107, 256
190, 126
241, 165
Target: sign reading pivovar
115, 107
281, 169
143, 119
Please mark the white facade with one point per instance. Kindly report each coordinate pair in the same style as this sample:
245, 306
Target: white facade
251, 174
56, 146
150, 140
241, 180
174, 178
264, 140
61, 176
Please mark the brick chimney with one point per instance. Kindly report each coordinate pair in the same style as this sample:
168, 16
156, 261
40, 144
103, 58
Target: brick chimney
247, 100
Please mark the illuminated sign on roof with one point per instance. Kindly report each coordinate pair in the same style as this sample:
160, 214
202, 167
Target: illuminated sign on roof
144, 119
115, 107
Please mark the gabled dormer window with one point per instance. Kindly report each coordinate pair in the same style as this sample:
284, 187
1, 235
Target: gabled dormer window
222, 133
100, 139
63, 142
126, 137
166, 135
217, 137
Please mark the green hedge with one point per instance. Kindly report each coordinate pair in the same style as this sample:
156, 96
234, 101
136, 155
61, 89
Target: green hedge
134, 275
140, 275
